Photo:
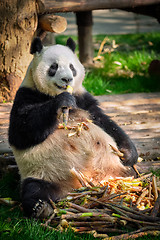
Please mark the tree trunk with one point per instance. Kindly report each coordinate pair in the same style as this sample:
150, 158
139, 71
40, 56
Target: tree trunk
18, 21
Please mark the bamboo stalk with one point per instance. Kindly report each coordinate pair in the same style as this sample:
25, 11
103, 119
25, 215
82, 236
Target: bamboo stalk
65, 110
144, 177
89, 215
135, 234
154, 188
136, 170
87, 180
90, 224
116, 195
142, 196
135, 214
136, 220
116, 151
156, 207
79, 208
78, 176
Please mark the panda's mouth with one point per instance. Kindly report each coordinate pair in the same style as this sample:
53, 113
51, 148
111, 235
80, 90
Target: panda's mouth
61, 87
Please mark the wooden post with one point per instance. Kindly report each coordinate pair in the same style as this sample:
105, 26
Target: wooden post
84, 22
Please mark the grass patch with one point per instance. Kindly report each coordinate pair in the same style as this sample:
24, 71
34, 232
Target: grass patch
125, 68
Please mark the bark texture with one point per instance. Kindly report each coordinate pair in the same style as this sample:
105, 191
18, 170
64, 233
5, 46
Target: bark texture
18, 23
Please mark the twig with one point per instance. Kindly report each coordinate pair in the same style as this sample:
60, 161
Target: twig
135, 234
150, 190
79, 208
154, 188
46, 224
136, 220
144, 177
116, 151
101, 48
136, 170
98, 216
142, 196
135, 214
116, 195
156, 207
90, 224
86, 179
78, 176
52, 203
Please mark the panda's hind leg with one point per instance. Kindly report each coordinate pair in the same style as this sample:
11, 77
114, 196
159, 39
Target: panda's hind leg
36, 195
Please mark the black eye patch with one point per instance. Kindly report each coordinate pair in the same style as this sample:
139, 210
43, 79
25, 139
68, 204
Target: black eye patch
73, 70
52, 70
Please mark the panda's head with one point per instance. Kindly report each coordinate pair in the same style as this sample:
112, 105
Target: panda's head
53, 68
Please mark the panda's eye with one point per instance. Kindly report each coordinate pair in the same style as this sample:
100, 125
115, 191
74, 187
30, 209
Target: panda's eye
73, 70
52, 70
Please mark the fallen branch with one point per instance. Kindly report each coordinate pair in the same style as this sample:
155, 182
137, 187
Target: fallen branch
134, 235
156, 208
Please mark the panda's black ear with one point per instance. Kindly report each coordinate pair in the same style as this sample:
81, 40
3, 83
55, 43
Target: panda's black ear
71, 44
36, 45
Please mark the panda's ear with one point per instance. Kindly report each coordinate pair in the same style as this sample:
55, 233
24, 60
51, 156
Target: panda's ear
36, 45
71, 44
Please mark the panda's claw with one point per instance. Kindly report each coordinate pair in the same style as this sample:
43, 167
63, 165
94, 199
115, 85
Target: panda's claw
42, 209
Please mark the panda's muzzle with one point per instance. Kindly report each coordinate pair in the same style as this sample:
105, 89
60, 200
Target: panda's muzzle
67, 80
61, 87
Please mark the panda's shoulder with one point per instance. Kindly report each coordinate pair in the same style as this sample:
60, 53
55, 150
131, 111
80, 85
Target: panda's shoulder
85, 100
28, 95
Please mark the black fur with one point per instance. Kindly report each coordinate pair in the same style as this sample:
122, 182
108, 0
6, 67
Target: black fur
34, 116
53, 69
73, 70
36, 45
71, 44
34, 190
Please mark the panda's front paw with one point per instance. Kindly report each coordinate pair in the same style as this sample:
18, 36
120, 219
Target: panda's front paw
130, 156
42, 209
66, 100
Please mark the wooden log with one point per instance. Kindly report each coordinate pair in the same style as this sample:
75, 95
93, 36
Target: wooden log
148, 10
52, 23
52, 6
84, 22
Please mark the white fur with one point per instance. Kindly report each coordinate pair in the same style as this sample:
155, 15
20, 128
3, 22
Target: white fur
37, 75
90, 153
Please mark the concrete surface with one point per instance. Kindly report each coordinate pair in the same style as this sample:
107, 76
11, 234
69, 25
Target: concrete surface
114, 22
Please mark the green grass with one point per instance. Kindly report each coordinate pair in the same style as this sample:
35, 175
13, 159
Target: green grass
133, 55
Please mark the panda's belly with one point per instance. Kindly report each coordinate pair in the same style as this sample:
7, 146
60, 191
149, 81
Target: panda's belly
90, 152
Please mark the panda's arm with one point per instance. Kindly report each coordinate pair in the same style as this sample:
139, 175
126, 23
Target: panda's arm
34, 116
124, 143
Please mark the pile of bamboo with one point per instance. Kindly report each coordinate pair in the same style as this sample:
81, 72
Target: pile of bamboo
124, 206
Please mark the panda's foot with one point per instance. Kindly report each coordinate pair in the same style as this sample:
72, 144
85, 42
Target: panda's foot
42, 209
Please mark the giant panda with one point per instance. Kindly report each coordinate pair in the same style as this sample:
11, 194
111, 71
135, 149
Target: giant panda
46, 154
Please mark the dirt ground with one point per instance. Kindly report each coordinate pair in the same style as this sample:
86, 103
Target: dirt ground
138, 114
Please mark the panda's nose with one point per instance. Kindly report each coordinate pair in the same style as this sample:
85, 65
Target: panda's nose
66, 80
